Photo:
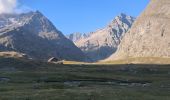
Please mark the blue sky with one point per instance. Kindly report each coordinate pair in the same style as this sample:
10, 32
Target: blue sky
84, 15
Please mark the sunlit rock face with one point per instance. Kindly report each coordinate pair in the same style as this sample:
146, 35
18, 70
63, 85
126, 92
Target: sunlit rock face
149, 35
104, 42
33, 34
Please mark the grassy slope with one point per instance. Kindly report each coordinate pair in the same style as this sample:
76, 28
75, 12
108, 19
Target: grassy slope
137, 60
42, 81
141, 60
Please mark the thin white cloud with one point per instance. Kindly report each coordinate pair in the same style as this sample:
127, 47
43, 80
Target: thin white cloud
8, 6
12, 6
22, 8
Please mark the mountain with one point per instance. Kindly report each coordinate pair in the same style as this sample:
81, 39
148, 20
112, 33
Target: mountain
149, 36
104, 42
76, 36
34, 35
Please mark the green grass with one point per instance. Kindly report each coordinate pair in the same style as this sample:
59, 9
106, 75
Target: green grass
30, 80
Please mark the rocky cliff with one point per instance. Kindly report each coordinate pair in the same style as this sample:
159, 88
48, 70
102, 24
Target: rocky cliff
149, 35
104, 42
34, 35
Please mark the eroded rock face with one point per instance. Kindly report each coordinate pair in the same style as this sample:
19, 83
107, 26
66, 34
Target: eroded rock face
77, 36
104, 42
149, 35
34, 35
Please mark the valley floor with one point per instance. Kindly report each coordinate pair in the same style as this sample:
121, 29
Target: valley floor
29, 80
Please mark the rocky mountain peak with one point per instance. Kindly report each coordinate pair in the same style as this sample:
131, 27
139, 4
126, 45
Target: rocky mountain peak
121, 19
77, 36
149, 36
41, 25
102, 43
34, 35
121, 16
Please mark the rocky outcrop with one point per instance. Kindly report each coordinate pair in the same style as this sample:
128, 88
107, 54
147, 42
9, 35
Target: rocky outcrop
77, 36
34, 35
104, 42
149, 35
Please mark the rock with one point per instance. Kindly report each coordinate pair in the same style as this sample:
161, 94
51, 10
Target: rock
149, 36
104, 42
34, 35
77, 36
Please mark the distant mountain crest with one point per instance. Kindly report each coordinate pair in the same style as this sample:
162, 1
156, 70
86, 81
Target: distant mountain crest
104, 42
76, 36
34, 35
